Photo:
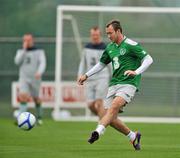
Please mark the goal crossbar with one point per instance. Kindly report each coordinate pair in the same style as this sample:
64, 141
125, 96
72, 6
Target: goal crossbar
119, 9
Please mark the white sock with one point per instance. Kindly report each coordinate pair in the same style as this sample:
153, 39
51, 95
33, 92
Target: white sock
100, 129
131, 135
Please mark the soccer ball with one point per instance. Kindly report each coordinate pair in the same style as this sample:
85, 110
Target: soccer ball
26, 121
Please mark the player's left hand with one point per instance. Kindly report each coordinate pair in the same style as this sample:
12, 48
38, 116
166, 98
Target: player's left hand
37, 76
130, 73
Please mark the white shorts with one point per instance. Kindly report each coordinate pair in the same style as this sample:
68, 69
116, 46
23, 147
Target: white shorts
126, 91
96, 89
30, 87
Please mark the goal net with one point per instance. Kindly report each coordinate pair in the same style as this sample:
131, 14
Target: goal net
157, 29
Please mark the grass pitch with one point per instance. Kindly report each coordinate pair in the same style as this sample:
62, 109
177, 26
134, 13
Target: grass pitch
69, 140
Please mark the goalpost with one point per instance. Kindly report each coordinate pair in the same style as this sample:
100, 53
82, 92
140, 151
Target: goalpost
81, 18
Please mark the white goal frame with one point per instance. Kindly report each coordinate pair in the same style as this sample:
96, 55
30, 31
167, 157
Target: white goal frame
59, 34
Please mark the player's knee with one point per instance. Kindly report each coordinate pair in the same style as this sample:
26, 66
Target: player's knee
23, 100
98, 103
23, 97
91, 105
37, 101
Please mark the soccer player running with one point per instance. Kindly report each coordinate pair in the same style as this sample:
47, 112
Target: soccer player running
32, 64
91, 55
129, 61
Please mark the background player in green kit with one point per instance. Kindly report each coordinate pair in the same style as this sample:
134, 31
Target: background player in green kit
32, 64
129, 61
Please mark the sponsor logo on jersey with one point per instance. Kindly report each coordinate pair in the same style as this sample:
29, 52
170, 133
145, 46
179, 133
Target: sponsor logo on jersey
122, 51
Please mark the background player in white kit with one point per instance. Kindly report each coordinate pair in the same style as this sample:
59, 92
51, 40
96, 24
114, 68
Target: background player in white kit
32, 64
91, 55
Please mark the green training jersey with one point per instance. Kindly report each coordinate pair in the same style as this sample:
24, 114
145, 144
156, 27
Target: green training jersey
125, 56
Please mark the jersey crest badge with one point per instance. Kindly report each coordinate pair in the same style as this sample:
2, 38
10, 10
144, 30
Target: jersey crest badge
122, 51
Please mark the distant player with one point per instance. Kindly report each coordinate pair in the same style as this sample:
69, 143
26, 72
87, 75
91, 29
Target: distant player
32, 64
129, 61
91, 55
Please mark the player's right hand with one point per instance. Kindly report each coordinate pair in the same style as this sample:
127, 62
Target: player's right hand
81, 79
37, 76
25, 45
